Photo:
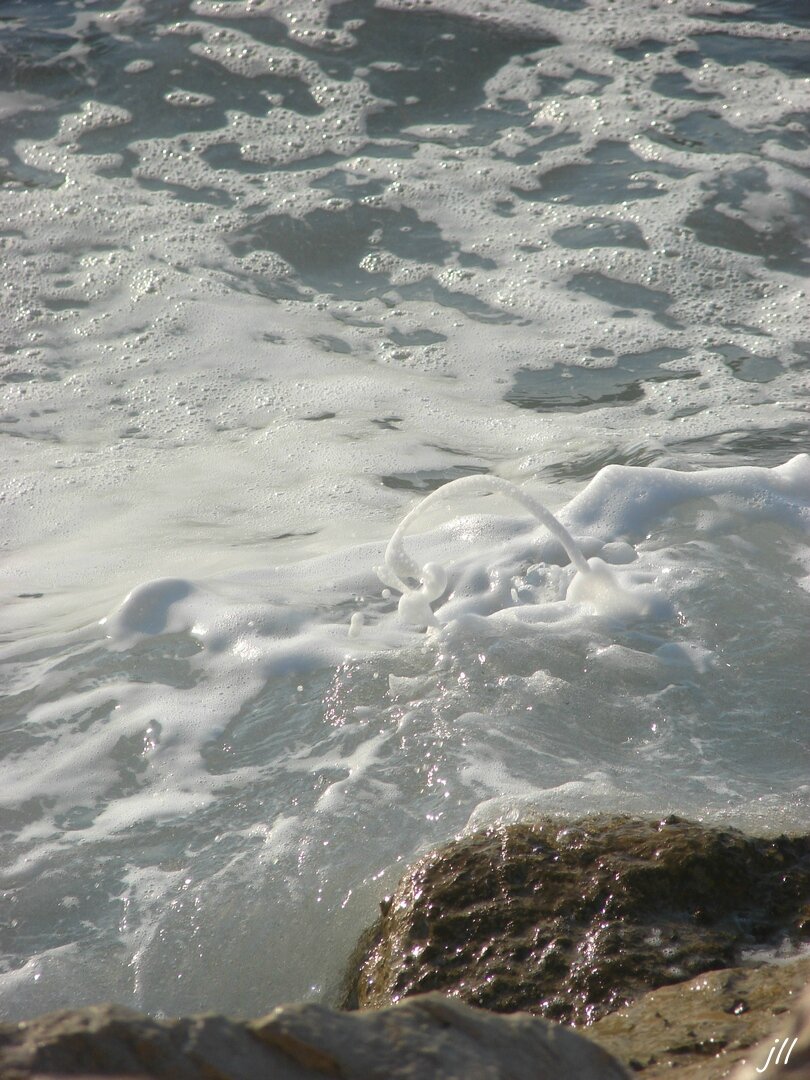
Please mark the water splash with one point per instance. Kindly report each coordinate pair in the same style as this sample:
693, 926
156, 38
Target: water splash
594, 585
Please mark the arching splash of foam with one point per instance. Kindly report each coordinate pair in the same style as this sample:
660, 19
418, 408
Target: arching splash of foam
414, 604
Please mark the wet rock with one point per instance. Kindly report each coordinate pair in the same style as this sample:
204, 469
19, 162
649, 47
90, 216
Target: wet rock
787, 1054
703, 1028
430, 1036
573, 920
110, 1040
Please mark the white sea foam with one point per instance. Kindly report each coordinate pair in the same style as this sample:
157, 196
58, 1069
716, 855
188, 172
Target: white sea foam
271, 278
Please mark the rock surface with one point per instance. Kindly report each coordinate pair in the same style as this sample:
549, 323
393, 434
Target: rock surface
703, 1028
791, 1044
573, 920
428, 1038
698, 1030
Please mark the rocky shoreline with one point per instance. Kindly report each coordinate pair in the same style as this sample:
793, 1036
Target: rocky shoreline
639, 933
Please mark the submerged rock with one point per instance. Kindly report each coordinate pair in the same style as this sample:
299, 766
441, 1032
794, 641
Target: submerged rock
573, 920
429, 1037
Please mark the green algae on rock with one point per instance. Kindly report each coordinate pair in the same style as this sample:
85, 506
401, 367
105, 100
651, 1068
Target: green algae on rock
570, 920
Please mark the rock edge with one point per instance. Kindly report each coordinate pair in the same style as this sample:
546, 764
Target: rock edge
427, 1037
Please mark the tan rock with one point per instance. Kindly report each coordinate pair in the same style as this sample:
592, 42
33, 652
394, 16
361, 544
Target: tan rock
702, 1029
787, 1054
427, 1038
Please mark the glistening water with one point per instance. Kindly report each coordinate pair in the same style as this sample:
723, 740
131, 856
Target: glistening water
272, 273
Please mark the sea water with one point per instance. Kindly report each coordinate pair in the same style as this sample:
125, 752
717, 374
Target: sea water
272, 273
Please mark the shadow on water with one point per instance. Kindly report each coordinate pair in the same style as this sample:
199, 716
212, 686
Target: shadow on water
425, 480
41, 53
646, 47
743, 214
586, 466
756, 446
332, 251
563, 388
321, 244
747, 367
789, 57
601, 232
707, 132
561, 5
432, 68
626, 296
766, 11
674, 84
620, 176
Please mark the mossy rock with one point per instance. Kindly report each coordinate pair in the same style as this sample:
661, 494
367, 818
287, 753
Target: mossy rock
572, 920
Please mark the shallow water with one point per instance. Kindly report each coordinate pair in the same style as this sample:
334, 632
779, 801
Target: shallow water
272, 274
